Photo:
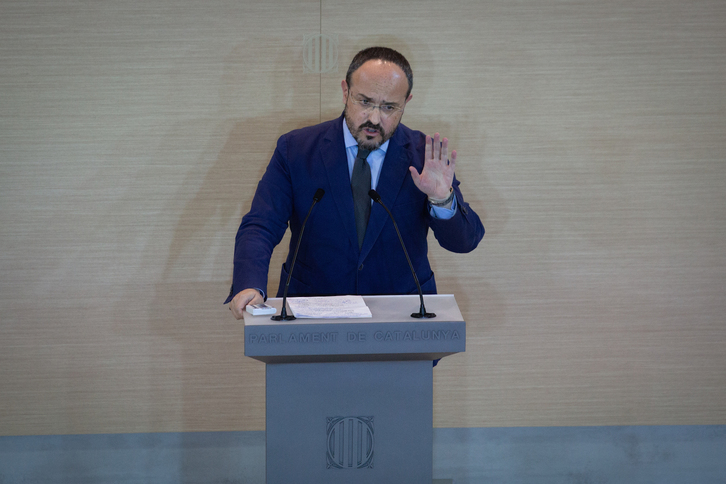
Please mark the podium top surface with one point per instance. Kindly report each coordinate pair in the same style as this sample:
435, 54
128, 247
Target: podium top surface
390, 334
384, 309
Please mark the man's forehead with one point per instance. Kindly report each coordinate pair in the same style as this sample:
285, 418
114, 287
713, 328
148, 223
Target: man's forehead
380, 80
377, 68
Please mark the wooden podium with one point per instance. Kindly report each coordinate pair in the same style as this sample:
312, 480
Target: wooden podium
351, 400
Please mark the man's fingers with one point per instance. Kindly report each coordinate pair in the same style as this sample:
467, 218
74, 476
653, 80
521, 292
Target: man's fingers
444, 150
242, 299
438, 170
437, 149
238, 307
258, 299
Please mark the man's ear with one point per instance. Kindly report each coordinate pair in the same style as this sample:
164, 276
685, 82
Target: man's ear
410, 96
344, 86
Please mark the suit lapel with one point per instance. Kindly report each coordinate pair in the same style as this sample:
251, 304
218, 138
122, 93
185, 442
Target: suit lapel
393, 173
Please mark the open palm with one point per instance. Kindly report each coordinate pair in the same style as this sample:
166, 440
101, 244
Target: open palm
437, 174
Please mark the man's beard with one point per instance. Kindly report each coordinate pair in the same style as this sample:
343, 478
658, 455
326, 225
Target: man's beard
362, 138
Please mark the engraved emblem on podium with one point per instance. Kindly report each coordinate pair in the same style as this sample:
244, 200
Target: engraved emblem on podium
349, 442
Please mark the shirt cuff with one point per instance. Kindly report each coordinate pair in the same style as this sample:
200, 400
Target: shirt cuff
442, 213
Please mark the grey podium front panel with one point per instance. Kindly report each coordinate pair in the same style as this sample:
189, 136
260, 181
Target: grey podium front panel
351, 400
350, 422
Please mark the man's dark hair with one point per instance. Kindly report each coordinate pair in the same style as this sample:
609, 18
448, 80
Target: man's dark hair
385, 54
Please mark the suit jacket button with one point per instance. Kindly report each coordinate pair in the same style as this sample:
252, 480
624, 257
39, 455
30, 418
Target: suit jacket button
360, 268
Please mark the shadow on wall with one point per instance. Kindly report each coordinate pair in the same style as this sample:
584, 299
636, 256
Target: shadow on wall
203, 240
197, 369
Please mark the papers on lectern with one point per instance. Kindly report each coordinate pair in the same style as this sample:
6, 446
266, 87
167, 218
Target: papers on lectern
330, 307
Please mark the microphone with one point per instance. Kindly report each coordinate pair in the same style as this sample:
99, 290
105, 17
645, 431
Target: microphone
422, 311
283, 316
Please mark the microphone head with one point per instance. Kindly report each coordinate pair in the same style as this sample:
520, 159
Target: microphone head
374, 195
318, 194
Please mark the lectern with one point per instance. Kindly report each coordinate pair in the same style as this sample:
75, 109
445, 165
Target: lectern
351, 400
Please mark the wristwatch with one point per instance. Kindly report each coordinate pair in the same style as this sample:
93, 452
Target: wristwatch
438, 202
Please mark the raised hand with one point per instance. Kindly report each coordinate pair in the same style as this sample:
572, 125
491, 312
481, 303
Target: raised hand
438, 171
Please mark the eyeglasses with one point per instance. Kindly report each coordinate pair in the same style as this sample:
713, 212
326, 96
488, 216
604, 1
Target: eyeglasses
366, 106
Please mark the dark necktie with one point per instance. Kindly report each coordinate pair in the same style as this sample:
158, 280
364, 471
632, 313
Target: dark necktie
360, 183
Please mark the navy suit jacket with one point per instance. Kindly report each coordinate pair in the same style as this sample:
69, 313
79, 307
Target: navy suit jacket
329, 261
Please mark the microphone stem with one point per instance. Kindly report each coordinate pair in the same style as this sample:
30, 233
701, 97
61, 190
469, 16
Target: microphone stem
283, 313
297, 247
422, 310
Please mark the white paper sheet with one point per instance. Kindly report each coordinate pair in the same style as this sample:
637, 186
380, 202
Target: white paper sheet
329, 307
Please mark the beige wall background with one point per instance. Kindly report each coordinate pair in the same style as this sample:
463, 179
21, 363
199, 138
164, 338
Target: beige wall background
591, 139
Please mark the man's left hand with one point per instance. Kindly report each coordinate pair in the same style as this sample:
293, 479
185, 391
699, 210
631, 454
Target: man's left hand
438, 171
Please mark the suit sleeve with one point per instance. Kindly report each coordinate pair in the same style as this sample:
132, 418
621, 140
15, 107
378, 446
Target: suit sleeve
462, 232
264, 225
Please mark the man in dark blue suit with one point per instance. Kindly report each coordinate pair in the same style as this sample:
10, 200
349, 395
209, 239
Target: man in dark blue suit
349, 247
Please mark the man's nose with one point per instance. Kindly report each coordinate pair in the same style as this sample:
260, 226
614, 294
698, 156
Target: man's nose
375, 115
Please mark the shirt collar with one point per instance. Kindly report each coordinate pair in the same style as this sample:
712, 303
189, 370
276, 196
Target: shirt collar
350, 140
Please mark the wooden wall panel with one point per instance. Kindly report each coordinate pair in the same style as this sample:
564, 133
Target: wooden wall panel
132, 136
592, 142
